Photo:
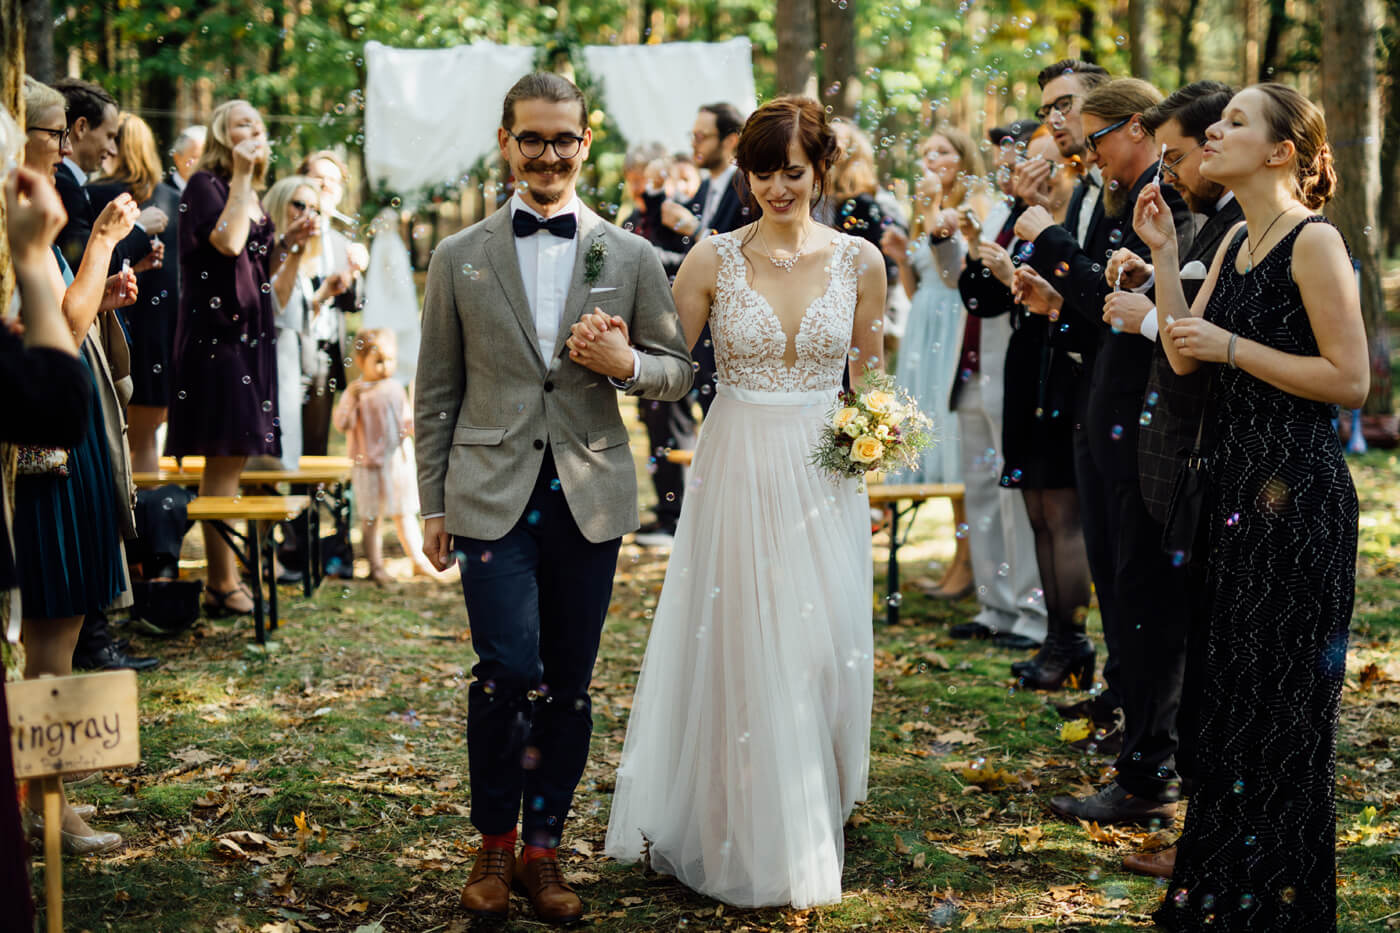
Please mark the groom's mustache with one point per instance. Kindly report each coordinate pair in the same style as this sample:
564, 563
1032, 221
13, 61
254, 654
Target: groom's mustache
561, 168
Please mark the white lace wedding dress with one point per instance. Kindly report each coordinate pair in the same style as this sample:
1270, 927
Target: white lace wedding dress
748, 743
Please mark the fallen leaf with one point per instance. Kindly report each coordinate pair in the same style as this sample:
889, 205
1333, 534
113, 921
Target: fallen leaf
1076, 730
321, 859
192, 756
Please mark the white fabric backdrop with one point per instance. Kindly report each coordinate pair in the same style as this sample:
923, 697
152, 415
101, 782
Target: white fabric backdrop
653, 91
430, 114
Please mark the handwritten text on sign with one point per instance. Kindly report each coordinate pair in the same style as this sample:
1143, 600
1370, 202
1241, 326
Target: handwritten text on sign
63, 724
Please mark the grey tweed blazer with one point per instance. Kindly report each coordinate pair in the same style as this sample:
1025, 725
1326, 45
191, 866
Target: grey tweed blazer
487, 405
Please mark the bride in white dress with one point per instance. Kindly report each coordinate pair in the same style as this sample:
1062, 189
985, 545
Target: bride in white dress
748, 743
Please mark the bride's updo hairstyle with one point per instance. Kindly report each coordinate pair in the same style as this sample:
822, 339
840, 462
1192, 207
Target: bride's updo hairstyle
769, 132
1293, 118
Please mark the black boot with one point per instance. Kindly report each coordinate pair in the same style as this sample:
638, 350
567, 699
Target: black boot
1068, 658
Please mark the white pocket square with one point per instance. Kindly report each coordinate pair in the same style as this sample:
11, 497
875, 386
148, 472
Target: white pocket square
601, 291
1194, 269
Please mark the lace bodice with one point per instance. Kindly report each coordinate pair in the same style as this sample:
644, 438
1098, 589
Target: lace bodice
750, 344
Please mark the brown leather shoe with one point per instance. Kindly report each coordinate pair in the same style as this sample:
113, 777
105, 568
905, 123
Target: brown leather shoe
541, 881
1157, 864
487, 893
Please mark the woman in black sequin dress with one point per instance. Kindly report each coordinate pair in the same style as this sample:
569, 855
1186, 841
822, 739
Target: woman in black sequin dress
1281, 318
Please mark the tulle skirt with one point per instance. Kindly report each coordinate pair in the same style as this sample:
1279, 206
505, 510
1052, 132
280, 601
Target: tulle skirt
748, 743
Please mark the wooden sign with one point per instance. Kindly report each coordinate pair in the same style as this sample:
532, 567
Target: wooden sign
60, 725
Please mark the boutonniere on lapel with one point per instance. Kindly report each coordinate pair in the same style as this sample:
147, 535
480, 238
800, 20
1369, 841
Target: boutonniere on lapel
593, 261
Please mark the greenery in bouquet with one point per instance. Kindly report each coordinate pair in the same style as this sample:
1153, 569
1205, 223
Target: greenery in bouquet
876, 427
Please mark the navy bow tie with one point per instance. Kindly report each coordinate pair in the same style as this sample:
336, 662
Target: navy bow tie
561, 225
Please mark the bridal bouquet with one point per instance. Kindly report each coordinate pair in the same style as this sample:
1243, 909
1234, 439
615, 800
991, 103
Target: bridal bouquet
875, 428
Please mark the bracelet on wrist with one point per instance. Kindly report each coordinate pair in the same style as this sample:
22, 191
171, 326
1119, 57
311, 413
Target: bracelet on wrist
1230, 351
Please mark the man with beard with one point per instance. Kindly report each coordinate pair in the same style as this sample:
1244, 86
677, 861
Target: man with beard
1174, 405
525, 475
716, 208
1142, 595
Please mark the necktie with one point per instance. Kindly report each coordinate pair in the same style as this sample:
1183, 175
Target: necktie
526, 224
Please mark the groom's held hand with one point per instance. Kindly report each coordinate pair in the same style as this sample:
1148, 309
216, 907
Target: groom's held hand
601, 343
437, 543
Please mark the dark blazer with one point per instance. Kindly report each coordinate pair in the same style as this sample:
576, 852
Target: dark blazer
73, 238
731, 214
1113, 403
1173, 405
150, 322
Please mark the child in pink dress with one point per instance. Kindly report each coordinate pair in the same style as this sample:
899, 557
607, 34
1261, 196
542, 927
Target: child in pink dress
377, 420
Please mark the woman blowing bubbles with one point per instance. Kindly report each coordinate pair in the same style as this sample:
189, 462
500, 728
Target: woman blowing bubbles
1280, 311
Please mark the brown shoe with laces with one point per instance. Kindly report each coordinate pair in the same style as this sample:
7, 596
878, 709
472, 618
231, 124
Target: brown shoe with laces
1157, 864
487, 893
541, 881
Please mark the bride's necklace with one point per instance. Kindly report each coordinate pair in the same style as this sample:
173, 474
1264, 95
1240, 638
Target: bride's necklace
787, 263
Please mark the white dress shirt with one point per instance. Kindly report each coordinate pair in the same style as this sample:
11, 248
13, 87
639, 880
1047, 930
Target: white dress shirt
178, 181
1091, 200
719, 184
77, 171
546, 268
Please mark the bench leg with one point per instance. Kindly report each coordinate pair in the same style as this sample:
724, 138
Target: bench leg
255, 553
308, 579
892, 573
265, 541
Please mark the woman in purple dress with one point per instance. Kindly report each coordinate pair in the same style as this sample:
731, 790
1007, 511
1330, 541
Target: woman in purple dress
225, 379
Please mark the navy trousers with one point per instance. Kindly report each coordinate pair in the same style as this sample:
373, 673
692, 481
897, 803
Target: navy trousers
536, 601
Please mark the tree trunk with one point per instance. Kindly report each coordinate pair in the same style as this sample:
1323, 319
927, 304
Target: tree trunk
38, 40
1138, 39
12, 96
1390, 141
1273, 39
1249, 14
797, 41
836, 26
1352, 102
1186, 44
1087, 28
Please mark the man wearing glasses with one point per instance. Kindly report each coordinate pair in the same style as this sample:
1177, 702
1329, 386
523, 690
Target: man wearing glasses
716, 208
93, 120
533, 320
1173, 405
1142, 595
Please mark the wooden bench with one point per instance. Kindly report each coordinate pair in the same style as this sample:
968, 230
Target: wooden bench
329, 475
888, 497
260, 515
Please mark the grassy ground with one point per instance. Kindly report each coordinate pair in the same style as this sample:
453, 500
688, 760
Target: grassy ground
321, 785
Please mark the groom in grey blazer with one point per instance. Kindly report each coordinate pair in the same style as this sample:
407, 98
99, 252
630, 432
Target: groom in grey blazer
533, 320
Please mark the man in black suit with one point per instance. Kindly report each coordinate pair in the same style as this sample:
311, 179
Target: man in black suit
1064, 86
1174, 406
93, 119
1142, 595
716, 208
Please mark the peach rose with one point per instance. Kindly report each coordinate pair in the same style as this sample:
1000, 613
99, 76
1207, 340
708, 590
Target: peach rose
878, 401
866, 449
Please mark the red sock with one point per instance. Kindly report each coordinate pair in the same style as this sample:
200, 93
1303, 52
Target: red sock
505, 841
531, 853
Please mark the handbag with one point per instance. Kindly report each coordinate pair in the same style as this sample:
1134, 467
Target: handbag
1187, 502
42, 461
